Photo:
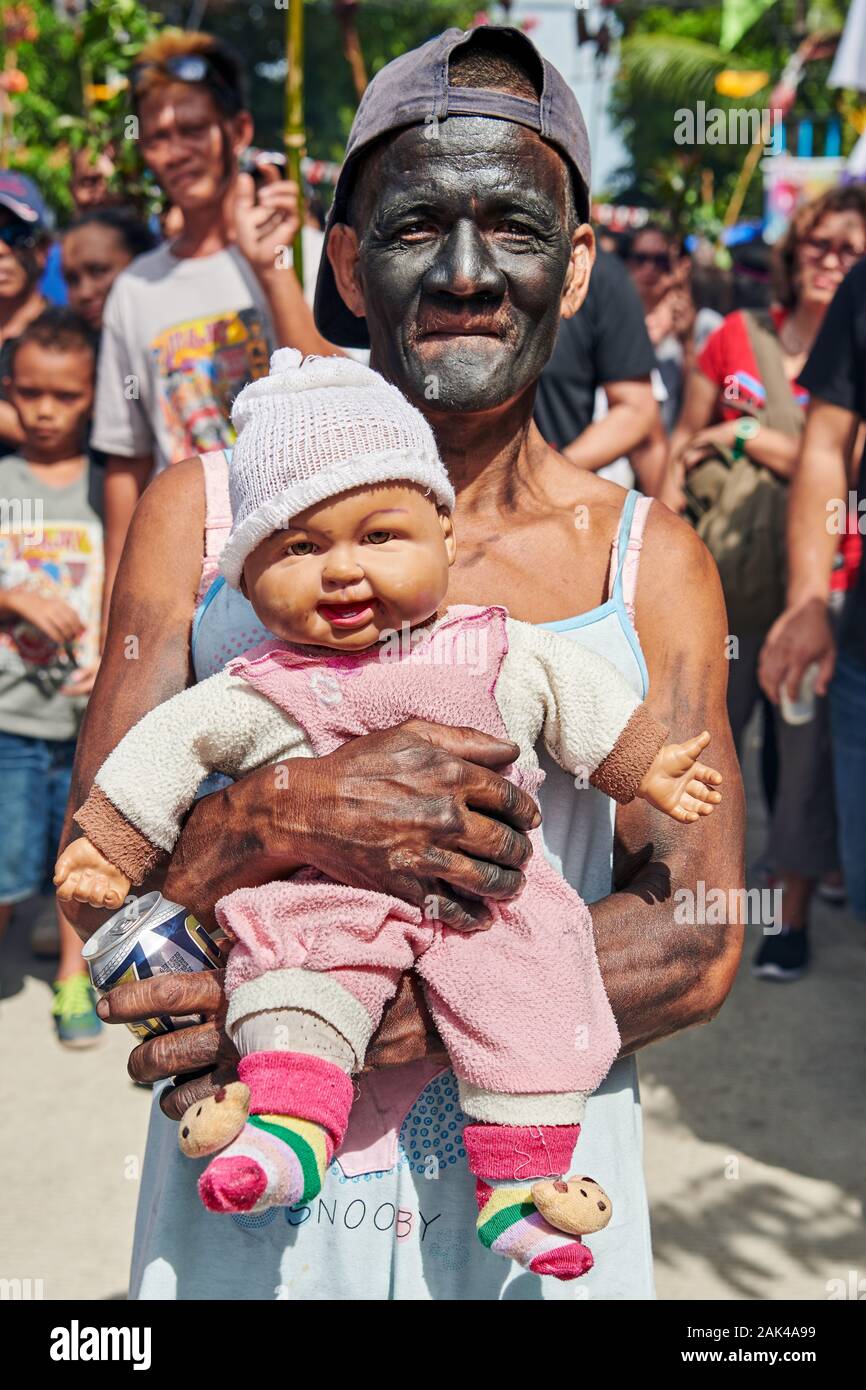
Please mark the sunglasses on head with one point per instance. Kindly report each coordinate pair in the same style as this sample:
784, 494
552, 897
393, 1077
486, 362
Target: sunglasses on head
17, 236
190, 67
659, 259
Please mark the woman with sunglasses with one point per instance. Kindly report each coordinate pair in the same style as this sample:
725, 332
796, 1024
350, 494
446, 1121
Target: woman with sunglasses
660, 273
826, 238
23, 245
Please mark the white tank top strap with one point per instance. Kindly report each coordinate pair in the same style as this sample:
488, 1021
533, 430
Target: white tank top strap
623, 575
218, 515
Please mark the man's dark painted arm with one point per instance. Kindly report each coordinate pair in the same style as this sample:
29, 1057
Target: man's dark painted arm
664, 971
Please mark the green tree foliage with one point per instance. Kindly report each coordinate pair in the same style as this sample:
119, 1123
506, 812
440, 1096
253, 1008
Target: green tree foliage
670, 61
75, 98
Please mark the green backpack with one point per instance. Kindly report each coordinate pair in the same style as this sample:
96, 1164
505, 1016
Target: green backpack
738, 506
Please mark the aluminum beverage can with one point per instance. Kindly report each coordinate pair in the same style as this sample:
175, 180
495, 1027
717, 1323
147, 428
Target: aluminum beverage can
151, 936
802, 709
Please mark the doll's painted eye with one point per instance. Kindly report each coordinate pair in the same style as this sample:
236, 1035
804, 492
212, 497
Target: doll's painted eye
378, 537
301, 548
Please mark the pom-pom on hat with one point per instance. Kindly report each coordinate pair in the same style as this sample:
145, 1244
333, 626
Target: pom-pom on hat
313, 428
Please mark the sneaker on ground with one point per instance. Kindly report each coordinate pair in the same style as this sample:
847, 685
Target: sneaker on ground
832, 893
74, 1011
784, 956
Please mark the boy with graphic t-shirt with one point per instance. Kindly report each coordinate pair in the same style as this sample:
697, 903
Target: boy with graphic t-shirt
50, 598
188, 325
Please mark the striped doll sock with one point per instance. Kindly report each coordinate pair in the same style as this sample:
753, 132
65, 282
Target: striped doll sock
299, 1108
276, 1161
510, 1224
506, 1161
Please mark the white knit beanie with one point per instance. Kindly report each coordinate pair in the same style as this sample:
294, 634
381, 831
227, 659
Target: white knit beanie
313, 428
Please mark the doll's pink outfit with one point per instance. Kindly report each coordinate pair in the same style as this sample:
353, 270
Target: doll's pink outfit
521, 1007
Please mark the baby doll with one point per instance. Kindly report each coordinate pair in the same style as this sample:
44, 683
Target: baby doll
342, 540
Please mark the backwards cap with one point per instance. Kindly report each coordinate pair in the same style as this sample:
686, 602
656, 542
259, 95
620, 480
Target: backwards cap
413, 90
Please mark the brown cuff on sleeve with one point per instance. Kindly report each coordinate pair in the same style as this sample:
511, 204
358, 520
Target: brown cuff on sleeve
116, 838
625, 766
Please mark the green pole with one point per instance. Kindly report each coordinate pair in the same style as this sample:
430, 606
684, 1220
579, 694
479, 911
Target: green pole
294, 137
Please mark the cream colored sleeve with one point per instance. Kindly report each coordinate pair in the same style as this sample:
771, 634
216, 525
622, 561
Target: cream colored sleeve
585, 711
145, 787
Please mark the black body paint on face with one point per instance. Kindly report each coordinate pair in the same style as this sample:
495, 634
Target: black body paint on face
464, 249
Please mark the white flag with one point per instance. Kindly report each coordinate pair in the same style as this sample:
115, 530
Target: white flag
849, 65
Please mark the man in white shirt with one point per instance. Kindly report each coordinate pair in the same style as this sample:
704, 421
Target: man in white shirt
187, 325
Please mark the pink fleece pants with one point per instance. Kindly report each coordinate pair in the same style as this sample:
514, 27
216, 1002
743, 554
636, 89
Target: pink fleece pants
521, 1007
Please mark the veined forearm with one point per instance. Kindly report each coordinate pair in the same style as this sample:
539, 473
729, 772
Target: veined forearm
662, 975
812, 541
225, 845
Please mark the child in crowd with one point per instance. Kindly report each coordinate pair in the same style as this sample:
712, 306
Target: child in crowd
24, 242
50, 595
96, 248
342, 541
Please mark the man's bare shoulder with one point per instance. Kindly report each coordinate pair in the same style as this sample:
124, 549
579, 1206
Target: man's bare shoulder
678, 580
180, 483
165, 543
671, 544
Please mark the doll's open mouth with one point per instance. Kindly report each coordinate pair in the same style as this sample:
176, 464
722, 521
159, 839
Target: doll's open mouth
347, 614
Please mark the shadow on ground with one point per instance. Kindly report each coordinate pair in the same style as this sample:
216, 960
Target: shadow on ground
777, 1079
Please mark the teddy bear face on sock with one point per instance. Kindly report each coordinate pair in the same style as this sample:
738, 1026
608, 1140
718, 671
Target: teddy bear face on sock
215, 1121
578, 1206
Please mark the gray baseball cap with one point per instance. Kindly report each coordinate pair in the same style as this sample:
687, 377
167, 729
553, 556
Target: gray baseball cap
413, 90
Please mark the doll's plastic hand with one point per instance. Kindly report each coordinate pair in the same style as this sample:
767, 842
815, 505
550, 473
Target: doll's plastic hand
678, 784
84, 875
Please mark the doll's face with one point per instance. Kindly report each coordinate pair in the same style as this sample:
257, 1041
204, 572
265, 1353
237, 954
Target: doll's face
354, 567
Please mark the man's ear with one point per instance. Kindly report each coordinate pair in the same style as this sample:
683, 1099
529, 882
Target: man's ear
342, 250
450, 539
579, 269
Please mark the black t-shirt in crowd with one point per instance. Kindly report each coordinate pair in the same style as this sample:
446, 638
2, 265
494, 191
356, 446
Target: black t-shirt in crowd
606, 340
836, 373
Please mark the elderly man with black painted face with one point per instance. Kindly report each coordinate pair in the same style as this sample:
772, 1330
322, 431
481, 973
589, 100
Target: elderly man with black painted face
457, 240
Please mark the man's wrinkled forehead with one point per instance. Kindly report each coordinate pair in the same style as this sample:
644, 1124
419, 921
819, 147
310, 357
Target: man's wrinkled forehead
467, 160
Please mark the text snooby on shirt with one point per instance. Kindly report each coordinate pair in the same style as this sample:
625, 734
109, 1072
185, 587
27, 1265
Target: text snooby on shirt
77, 1343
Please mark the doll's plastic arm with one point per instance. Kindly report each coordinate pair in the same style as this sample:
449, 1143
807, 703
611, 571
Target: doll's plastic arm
678, 784
84, 875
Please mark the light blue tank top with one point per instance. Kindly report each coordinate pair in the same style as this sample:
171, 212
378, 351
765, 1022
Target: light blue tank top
331, 1258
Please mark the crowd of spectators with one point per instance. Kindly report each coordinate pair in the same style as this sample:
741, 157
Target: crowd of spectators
123, 344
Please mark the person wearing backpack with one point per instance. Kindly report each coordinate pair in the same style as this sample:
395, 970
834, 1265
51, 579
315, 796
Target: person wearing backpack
732, 453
